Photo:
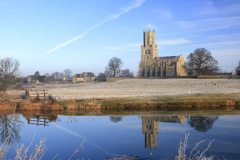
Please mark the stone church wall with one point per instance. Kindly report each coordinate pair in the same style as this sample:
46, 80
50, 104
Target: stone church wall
153, 66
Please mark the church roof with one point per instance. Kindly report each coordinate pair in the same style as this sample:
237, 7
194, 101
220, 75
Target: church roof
168, 57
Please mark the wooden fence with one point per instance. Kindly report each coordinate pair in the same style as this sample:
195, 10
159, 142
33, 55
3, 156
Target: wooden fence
35, 93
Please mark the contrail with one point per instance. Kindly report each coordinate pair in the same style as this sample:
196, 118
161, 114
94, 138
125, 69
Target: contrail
134, 4
86, 140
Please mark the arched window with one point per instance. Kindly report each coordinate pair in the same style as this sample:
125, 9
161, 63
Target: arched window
149, 51
145, 51
147, 57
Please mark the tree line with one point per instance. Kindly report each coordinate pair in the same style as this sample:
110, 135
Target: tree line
199, 62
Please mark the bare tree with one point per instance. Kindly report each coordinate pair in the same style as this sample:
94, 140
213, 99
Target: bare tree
114, 67
10, 126
201, 62
48, 77
116, 119
56, 74
126, 73
202, 123
9, 69
67, 72
237, 70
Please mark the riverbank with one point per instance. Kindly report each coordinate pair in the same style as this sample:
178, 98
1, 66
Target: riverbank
230, 101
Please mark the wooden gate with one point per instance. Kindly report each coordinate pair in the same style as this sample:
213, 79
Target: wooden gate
35, 93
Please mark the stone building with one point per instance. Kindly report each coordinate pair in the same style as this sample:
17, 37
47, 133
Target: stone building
153, 66
84, 77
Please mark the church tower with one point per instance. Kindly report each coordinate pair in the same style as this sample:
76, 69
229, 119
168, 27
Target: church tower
149, 50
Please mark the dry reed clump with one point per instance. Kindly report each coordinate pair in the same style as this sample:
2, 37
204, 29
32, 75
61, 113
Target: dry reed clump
72, 107
8, 102
8, 97
79, 105
7, 105
51, 105
192, 156
28, 105
37, 104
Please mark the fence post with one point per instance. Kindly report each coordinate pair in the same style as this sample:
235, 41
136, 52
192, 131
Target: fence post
28, 93
44, 93
37, 95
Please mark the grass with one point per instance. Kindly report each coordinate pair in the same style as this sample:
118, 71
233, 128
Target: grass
166, 102
193, 100
22, 151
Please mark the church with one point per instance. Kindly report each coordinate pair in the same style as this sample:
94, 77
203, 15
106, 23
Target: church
153, 66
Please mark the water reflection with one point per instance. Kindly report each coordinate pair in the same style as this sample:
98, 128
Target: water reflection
41, 120
150, 127
114, 134
202, 124
10, 125
116, 119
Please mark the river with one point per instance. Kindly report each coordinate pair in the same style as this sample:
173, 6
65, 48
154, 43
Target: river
153, 134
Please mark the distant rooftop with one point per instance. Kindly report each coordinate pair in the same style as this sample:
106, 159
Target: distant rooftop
168, 57
89, 74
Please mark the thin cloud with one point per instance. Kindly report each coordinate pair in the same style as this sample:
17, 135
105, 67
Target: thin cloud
222, 43
172, 42
226, 53
224, 36
165, 14
134, 4
210, 24
209, 8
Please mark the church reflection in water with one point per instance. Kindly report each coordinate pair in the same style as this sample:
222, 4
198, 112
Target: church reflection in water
150, 127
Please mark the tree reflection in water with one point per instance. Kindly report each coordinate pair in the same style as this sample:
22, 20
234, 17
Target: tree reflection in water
116, 119
202, 124
10, 125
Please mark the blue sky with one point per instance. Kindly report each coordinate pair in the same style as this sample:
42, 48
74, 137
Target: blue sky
49, 36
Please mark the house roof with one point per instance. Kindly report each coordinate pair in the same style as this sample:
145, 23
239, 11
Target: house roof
89, 74
226, 74
167, 57
78, 75
32, 77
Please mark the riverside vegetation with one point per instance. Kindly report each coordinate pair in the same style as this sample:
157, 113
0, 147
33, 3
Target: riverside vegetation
229, 101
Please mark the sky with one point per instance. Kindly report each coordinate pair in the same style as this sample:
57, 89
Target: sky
83, 35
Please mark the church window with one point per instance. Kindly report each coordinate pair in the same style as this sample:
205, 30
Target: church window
149, 51
145, 51
147, 57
